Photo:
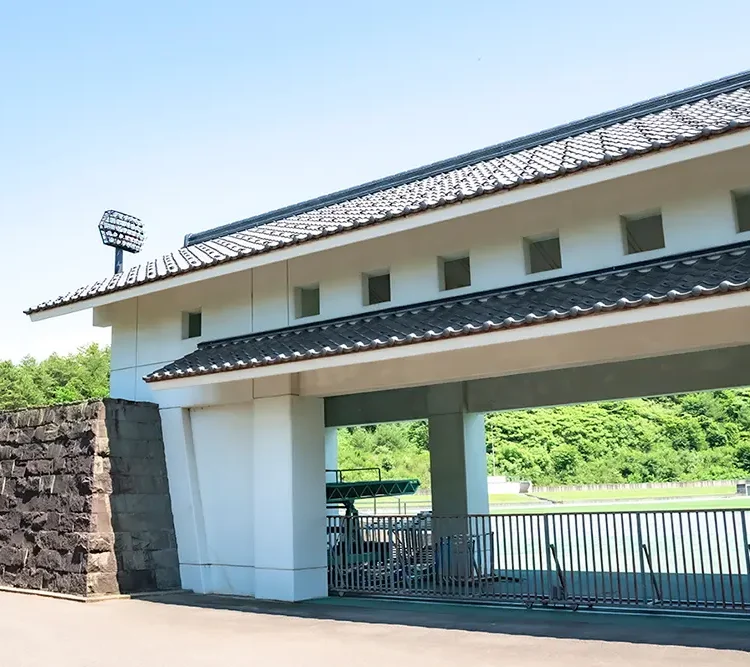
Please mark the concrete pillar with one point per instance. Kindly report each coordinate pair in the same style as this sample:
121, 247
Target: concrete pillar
458, 464
289, 498
332, 452
458, 468
185, 495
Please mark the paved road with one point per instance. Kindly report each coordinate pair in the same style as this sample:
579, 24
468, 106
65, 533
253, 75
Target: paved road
174, 631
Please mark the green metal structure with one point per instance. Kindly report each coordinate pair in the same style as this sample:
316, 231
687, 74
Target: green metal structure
343, 493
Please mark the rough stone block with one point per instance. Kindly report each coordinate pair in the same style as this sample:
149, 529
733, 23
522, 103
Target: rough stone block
137, 522
31, 579
151, 540
102, 483
39, 467
164, 558
168, 579
94, 410
137, 581
31, 451
10, 520
8, 486
73, 584
133, 560
56, 516
19, 470
48, 559
8, 503
12, 556
139, 484
100, 522
123, 542
102, 562
101, 445
64, 542
102, 583
100, 542
79, 465
62, 484
47, 433
74, 562
102, 465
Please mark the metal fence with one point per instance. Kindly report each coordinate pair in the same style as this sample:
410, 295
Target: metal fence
696, 560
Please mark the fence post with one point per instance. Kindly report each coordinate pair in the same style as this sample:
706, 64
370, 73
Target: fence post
547, 555
746, 543
641, 546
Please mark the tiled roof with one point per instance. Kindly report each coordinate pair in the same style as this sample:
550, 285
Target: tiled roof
696, 113
644, 284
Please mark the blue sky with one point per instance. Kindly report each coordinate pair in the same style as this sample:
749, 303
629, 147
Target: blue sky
192, 114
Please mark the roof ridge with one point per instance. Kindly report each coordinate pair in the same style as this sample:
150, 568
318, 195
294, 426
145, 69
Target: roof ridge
537, 284
597, 121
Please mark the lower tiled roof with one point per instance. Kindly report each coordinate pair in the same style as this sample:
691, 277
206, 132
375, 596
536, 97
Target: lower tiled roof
694, 114
678, 278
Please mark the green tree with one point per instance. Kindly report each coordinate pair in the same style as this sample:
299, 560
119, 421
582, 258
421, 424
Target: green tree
58, 379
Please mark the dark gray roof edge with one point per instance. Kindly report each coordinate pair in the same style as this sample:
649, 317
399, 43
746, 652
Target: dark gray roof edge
544, 282
654, 105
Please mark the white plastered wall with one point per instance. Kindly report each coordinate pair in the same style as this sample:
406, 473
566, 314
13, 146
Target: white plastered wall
223, 446
247, 487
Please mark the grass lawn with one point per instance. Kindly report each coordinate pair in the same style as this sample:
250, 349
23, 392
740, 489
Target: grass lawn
624, 494
696, 504
692, 496
422, 500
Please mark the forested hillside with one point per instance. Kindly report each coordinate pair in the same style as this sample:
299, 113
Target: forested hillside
695, 436
58, 379
690, 437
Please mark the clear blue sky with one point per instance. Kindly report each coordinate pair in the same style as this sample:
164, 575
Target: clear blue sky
193, 114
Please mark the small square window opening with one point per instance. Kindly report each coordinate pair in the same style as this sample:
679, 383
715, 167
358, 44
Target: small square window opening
643, 233
543, 254
742, 210
377, 288
192, 325
455, 273
307, 301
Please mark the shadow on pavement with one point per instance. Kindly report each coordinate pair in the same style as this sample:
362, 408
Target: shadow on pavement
718, 632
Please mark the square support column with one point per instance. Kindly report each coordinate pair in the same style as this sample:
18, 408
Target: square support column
289, 498
458, 464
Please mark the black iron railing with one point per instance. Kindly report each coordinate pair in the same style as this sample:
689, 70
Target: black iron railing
696, 560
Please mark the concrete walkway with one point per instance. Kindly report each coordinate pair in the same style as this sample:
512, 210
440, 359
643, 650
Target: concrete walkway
186, 630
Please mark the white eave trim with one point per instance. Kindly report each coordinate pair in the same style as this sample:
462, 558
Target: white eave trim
704, 305
599, 174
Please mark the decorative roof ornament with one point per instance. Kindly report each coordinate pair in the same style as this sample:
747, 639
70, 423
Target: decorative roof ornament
121, 232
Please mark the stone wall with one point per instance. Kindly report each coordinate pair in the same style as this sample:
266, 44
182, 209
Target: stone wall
84, 500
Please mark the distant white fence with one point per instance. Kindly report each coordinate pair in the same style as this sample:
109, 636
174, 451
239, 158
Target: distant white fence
647, 485
498, 484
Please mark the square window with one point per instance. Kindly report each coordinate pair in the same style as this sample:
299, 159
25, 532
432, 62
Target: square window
377, 288
455, 273
742, 210
307, 301
643, 233
543, 254
192, 325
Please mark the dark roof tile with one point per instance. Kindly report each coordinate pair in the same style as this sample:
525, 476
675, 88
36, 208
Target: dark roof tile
636, 285
703, 111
